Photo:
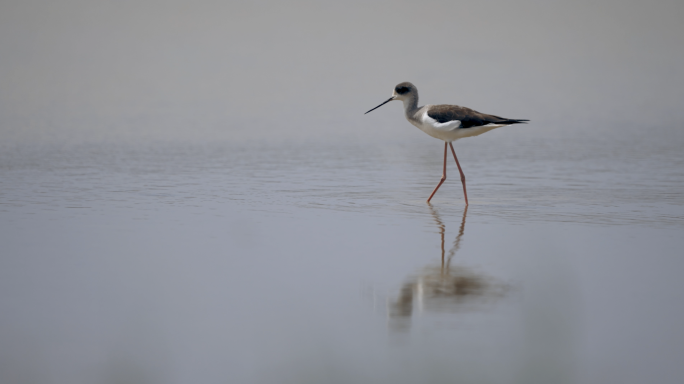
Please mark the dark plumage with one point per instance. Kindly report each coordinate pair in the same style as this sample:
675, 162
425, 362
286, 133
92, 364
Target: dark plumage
468, 118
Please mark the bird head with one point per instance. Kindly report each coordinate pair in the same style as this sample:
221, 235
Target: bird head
402, 91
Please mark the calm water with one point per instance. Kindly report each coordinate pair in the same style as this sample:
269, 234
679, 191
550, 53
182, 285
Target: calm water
192, 194
321, 262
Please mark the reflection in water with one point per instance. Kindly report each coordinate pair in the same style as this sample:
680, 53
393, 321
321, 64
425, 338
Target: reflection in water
442, 289
442, 230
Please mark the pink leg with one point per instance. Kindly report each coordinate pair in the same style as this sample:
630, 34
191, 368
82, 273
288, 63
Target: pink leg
443, 174
459, 169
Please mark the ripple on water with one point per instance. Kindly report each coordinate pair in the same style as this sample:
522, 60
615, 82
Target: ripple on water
564, 181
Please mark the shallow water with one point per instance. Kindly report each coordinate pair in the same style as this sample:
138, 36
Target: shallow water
193, 194
321, 262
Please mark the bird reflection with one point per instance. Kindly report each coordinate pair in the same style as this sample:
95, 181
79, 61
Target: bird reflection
442, 231
440, 289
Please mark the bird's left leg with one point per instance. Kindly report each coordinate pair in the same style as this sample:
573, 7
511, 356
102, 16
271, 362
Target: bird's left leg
460, 170
443, 174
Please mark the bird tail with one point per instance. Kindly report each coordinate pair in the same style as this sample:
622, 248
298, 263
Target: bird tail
513, 121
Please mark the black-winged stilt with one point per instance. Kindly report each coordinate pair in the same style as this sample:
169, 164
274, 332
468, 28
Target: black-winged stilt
445, 122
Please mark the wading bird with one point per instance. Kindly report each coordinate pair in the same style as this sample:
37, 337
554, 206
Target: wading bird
445, 122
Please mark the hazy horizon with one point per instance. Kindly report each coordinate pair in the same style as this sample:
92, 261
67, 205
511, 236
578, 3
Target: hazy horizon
205, 71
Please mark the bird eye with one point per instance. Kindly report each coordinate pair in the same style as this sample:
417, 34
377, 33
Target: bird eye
401, 90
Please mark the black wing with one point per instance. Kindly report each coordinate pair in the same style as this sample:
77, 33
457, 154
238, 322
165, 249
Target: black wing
467, 117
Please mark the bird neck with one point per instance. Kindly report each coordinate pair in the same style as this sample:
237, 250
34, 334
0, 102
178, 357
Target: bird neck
410, 105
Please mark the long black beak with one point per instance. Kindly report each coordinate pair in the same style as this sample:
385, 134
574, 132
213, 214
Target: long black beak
388, 100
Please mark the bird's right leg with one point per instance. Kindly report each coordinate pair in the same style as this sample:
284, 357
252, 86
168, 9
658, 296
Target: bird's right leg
462, 175
443, 174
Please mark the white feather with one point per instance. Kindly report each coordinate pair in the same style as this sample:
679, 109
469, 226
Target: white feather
448, 126
451, 130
